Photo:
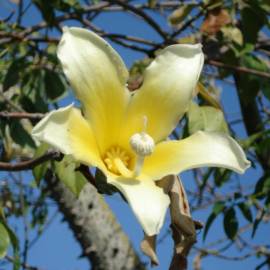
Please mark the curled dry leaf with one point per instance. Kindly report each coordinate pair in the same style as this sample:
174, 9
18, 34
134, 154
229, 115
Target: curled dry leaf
183, 226
135, 83
215, 20
148, 247
197, 261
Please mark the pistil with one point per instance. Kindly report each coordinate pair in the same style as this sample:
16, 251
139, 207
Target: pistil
143, 145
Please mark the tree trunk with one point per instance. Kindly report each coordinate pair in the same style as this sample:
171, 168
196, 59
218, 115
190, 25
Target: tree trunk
95, 227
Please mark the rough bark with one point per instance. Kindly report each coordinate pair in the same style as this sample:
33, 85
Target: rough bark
95, 227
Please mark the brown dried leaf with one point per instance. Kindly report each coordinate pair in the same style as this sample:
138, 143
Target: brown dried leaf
215, 20
178, 262
197, 261
135, 82
182, 225
148, 247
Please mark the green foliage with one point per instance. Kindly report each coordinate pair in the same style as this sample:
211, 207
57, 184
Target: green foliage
4, 241
262, 187
40, 170
206, 118
7, 236
251, 27
54, 86
66, 172
251, 84
20, 135
13, 73
230, 223
217, 210
245, 209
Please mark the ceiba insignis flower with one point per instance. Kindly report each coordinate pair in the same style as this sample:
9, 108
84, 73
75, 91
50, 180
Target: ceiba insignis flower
125, 134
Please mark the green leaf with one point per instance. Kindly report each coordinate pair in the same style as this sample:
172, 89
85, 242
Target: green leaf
47, 10
4, 241
40, 170
13, 74
13, 239
257, 222
33, 98
252, 61
20, 135
230, 223
208, 223
251, 26
249, 84
206, 118
54, 85
251, 140
66, 172
262, 187
221, 176
245, 210
180, 14
217, 209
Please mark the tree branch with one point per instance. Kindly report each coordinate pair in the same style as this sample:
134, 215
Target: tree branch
30, 164
238, 68
26, 266
21, 115
95, 227
143, 15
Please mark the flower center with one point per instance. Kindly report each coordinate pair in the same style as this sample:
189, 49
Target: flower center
118, 161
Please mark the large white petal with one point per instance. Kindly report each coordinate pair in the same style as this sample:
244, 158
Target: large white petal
98, 76
69, 132
167, 89
202, 149
148, 202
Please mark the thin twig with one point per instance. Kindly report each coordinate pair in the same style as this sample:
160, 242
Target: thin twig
45, 227
239, 69
30, 164
118, 38
10, 102
25, 223
26, 266
143, 15
187, 23
21, 115
20, 12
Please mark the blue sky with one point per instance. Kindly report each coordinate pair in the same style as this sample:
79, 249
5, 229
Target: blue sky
57, 248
